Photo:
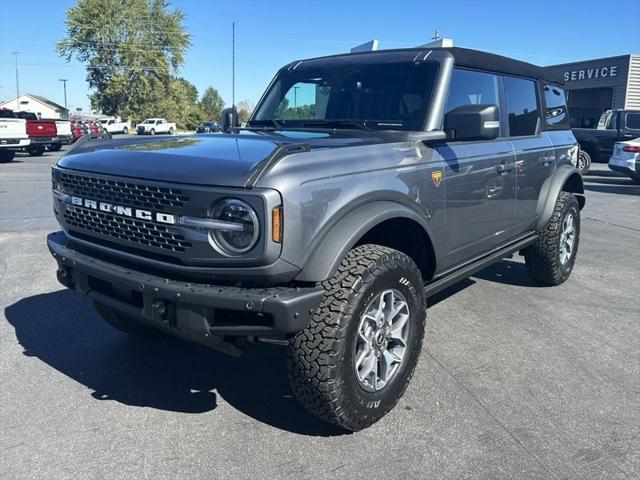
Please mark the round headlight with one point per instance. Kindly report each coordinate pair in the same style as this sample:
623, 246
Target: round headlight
243, 228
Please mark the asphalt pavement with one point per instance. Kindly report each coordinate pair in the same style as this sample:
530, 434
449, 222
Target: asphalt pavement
514, 381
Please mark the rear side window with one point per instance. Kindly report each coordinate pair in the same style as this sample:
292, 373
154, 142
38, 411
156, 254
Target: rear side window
472, 88
556, 114
522, 106
633, 121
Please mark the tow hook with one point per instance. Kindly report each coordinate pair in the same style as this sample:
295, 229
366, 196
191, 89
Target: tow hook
64, 277
158, 311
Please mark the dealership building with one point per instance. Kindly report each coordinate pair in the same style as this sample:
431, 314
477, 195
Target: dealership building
594, 86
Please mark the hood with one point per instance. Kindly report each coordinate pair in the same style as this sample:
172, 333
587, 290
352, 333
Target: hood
210, 159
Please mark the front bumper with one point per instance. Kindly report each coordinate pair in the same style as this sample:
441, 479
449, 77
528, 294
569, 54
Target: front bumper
192, 310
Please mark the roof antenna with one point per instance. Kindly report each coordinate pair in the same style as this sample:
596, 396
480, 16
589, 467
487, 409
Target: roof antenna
436, 35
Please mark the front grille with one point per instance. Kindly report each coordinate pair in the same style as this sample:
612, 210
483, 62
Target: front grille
134, 231
121, 192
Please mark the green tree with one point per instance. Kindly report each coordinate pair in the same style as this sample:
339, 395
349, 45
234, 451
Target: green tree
131, 50
211, 104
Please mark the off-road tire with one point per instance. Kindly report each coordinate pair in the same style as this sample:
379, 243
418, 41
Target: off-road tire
321, 357
542, 259
35, 150
126, 324
6, 156
584, 162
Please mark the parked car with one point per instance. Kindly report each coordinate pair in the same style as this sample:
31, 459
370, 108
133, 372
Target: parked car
318, 228
63, 134
42, 133
114, 125
626, 158
13, 135
208, 127
152, 126
596, 144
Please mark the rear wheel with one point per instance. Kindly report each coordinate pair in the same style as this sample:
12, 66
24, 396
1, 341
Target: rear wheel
584, 162
54, 147
126, 324
171, 131
35, 150
550, 260
125, 131
354, 361
153, 131
6, 155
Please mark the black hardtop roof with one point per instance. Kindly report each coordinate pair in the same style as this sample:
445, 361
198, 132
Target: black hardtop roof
464, 57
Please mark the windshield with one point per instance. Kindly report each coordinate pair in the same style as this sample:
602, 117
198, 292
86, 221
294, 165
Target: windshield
391, 96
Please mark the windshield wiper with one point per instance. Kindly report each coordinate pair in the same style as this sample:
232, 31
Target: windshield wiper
338, 124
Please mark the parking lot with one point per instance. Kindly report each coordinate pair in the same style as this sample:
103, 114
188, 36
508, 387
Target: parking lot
514, 381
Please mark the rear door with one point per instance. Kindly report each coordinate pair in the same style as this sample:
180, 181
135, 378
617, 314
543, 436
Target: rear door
535, 156
478, 177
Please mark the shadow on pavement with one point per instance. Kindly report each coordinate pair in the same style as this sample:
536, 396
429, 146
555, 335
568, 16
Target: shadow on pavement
508, 272
63, 330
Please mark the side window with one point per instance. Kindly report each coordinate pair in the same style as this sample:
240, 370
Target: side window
472, 88
633, 121
522, 106
556, 106
611, 121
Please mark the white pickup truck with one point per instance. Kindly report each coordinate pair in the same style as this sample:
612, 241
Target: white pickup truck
114, 125
152, 126
13, 135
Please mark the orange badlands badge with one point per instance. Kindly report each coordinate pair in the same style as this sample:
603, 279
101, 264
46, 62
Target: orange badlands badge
436, 176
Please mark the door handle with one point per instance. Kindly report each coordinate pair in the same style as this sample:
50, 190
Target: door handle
505, 167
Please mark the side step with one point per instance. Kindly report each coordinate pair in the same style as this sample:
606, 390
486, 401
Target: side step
460, 273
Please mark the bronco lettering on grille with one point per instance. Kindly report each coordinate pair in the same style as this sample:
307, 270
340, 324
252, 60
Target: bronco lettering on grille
124, 211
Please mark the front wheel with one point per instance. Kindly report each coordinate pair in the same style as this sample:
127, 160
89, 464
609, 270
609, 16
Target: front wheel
550, 260
355, 359
35, 150
125, 131
171, 131
584, 162
153, 131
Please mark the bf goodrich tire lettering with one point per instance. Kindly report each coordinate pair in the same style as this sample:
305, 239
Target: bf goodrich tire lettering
322, 356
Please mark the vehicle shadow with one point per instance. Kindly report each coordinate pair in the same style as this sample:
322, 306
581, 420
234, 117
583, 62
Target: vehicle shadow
63, 330
508, 272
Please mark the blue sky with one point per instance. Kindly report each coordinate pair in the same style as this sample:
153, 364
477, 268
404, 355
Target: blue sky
270, 34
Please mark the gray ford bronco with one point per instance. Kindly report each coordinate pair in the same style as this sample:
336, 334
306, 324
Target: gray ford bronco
362, 184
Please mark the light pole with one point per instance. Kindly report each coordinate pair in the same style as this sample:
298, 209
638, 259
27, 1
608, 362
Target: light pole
64, 83
295, 97
17, 82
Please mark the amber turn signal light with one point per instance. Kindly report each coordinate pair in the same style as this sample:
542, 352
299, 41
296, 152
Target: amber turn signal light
276, 224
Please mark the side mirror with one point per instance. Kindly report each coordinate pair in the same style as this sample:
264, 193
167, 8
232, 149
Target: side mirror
229, 119
473, 122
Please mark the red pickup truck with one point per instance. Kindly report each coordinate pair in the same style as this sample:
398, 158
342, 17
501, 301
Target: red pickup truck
42, 133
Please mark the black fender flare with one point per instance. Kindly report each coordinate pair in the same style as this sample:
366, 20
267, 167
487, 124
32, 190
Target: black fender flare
325, 259
566, 178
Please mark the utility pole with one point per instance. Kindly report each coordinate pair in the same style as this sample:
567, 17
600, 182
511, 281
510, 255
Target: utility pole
17, 82
64, 83
295, 97
233, 65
